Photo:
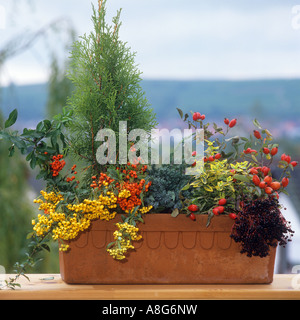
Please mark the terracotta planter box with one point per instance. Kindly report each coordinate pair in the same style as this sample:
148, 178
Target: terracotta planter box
172, 251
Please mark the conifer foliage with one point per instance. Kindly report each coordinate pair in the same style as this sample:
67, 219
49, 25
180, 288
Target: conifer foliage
107, 87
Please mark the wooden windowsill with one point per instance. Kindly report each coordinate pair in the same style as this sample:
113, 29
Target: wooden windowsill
51, 287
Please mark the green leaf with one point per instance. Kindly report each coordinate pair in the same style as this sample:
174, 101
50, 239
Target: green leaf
29, 235
33, 162
186, 187
11, 119
29, 156
140, 219
254, 158
180, 112
110, 245
11, 151
241, 177
257, 124
235, 139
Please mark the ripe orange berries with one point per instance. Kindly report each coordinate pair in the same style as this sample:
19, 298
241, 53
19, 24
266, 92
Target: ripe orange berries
57, 165
104, 179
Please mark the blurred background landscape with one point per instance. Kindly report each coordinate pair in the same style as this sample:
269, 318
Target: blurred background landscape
235, 60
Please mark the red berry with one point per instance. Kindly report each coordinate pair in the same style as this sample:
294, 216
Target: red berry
247, 151
232, 216
268, 190
286, 158
275, 185
221, 209
196, 116
202, 117
194, 153
218, 156
232, 123
274, 151
222, 202
265, 170
268, 180
253, 171
257, 134
216, 211
262, 185
226, 121
211, 158
266, 151
192, 216
285, 181
256, 180
294, 163
193, 208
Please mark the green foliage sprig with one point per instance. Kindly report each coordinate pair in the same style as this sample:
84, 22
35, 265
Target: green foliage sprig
106, 88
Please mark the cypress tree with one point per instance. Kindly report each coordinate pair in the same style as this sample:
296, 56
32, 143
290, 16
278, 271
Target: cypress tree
107, 87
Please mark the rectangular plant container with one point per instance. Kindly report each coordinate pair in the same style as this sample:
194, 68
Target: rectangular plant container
172, 251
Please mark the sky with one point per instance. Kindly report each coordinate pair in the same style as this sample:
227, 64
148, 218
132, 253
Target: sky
192, 39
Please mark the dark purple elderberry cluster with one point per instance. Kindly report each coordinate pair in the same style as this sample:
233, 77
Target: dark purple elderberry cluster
259, 226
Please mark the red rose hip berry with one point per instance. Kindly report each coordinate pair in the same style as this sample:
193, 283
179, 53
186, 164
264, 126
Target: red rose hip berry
193, 208
232, 216
222, 202
192, 216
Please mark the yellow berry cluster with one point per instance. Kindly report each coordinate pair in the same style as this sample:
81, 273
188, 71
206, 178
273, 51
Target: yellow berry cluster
64, 247
124, 236
124, 194
144, 210
67, 226
96, 209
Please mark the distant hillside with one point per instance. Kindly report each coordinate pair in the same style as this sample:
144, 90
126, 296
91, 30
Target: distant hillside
276, 99
30, 101
266, 98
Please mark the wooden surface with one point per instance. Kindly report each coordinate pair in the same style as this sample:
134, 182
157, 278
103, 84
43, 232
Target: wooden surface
51, 287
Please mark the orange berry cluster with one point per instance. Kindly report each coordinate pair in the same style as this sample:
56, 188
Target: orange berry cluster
57, 164
104, 179
72, 171
135, 188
